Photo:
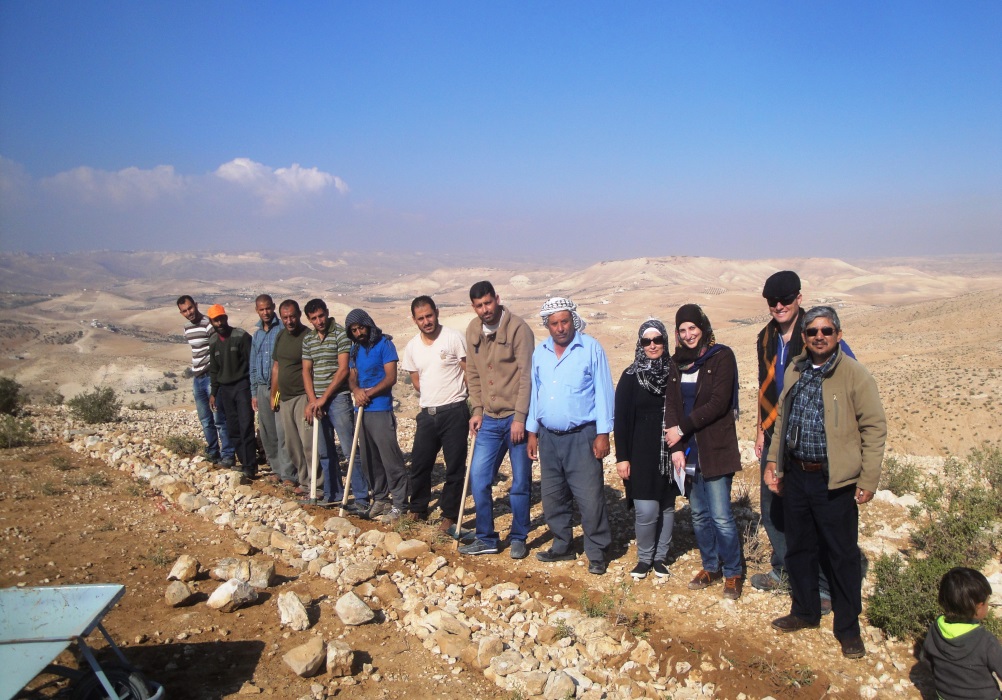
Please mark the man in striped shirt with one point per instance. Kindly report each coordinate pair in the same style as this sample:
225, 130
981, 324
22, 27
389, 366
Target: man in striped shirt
197, 332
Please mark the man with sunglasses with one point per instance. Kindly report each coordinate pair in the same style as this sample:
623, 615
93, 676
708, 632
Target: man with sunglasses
778, 342
826, 461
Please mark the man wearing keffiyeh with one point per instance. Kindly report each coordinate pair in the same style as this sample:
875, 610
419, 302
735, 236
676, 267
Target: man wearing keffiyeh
570, 418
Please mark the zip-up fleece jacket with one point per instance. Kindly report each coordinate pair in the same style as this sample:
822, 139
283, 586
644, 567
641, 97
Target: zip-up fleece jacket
499, 367
855, 425
963, 657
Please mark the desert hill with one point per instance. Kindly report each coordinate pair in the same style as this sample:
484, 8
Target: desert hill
925, 327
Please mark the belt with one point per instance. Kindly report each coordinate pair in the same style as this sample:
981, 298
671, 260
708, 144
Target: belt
808, 466
575, 429
433, 410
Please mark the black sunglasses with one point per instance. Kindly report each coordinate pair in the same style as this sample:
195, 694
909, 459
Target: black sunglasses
785, 301
657, 340
826, 331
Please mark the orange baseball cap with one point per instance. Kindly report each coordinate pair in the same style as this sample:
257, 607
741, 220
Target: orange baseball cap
215, 310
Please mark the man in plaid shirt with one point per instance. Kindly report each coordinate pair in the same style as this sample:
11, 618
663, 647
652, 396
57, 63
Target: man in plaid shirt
825, 461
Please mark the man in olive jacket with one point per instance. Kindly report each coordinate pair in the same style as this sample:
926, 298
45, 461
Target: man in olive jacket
825, 460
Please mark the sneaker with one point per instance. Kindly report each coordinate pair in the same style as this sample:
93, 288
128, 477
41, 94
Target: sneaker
377, 509
733, 586
826, 606
767, 582
548, 555
228, 462
640, 570
661, 569
518, 549
704, 579
392, 516
478, 547
464, 536
359, 510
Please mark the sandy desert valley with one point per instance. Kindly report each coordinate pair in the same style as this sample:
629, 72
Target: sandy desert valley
926, 328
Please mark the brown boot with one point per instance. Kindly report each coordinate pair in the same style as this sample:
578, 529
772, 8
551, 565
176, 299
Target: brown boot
732, 587
446, 525
703, 579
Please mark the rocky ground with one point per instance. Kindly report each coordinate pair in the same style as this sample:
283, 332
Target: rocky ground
109, 504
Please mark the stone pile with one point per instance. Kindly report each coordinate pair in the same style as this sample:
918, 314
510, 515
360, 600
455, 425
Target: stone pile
528, 644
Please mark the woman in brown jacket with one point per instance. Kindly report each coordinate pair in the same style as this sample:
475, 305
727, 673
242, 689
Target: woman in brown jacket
701, 404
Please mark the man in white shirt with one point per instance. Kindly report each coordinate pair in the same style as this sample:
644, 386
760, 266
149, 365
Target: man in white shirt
436, 361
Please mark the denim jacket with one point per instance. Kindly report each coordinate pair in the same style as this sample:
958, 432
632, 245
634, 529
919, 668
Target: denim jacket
262, 344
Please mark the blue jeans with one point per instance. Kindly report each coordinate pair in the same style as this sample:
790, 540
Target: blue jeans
713, 523
493, 440
212, 423
340, 419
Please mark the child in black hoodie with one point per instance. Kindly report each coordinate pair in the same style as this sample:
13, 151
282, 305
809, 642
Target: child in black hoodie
962, 653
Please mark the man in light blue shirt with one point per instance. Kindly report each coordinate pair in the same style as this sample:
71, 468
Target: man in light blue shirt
570, 418
272, 435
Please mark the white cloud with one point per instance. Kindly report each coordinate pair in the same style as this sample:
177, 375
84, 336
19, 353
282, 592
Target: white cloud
128, 186
278, 187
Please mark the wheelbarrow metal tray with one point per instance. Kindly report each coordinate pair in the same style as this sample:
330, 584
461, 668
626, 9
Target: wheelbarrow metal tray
36, 624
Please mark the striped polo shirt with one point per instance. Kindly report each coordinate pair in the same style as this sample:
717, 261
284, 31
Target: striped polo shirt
198, 336
323, 354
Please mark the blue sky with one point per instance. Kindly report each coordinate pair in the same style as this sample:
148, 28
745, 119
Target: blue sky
579, 129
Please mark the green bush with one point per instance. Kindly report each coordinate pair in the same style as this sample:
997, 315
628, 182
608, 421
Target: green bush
98, 406
905, 599
166, 386
10, 396
960, 528
15, 432
899, 477
183, 445
140, 406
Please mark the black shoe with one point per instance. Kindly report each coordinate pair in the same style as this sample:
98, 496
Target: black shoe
228, 462
640, 570
518, 549
597, 568
853, 648
792, 623
661, 569
548, 555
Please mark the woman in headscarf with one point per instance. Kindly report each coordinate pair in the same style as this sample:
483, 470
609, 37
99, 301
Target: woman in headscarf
701, 405
640, 460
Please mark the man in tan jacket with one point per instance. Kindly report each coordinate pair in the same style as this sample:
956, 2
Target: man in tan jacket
825, 460
498, 362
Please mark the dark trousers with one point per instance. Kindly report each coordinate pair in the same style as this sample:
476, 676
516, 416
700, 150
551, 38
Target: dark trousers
775, 525
822, 533
236, 402
568, 468
446, 431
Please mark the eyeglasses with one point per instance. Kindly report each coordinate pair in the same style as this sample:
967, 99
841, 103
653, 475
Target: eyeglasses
826, 331
657, 340
785, 301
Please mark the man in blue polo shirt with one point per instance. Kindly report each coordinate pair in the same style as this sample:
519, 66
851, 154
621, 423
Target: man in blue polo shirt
570, 418
372, 374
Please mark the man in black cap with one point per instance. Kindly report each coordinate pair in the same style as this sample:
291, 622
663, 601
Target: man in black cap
778, 343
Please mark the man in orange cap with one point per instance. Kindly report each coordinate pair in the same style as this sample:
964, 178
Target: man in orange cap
229, 372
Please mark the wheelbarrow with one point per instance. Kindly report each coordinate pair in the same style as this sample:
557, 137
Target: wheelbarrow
37, 624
